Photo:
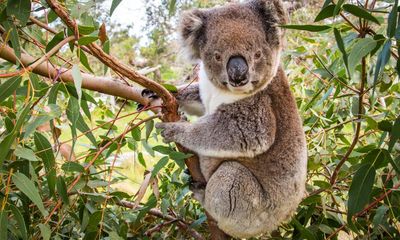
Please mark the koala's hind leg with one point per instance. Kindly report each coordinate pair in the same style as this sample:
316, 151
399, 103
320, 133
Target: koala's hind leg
236, 200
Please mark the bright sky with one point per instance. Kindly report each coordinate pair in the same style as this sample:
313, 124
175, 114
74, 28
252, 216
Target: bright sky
128, 12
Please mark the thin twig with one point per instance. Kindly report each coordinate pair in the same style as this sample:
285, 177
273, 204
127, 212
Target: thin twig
358, 124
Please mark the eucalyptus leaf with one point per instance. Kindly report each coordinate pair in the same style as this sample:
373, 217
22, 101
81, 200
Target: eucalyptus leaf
20, 9
360, 189
360, 12
45, 152
361, 49
9, 86
26, 186
310, 28
114, 5
3, 225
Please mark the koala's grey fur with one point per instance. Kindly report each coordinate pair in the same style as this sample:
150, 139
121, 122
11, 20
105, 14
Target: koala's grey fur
250, 139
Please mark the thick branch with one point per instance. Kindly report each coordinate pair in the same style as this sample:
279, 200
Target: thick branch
99, 84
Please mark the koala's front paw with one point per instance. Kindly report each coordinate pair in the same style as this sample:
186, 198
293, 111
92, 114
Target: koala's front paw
146, 93
169, 131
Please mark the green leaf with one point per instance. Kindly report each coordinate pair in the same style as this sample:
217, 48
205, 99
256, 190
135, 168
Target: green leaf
179, 155
392, 20
3, 225
360, 12
383, 59
43, 118
75, 117
62, 190
26, 186
85, 40
342, 48
20, 222
136, 134
310, 28
360, 189
149, 128
394, 133
326, 3
14, 37
7, 142
20, 9
338, 7
179, 158
395, 164
8, 87
378, 158
84, 60
379, 216
45, 231
114, 236
326, 12
72, 167
361, 49
76, 75
385, 125
147, 147
114, 5
170, 87
45, 152
106, 49
25, 153
305, 233
86, 30
159, 165
199, 221
141, 160
55, 40
162, 149
94, 220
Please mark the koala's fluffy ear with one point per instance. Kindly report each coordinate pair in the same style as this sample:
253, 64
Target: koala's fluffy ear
274, 9
191, 30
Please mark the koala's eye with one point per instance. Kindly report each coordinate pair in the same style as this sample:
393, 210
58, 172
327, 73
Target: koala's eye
257, 56
217, 57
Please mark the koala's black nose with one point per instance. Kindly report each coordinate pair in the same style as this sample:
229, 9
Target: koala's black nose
237, 71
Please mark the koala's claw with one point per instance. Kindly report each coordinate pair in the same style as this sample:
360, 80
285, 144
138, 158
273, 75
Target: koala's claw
198, 189
187, 172
196, 186
183, 118
146, 93
149, 94
168, 131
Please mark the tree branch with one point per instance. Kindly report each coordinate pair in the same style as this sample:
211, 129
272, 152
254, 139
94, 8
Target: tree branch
155, 212
358, 124
104, 85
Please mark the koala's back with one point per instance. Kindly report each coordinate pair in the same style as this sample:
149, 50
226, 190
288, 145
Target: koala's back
270, 185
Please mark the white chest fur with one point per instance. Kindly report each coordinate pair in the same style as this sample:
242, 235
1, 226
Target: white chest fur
211, 96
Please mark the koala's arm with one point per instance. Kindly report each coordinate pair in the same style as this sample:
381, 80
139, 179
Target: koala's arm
189, 100
232, 131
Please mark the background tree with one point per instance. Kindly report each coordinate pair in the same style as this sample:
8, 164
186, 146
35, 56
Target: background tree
77, 164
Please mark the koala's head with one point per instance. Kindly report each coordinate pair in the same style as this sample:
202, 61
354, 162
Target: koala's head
239, 44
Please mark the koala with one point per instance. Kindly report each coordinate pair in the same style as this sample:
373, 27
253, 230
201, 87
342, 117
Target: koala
249, 137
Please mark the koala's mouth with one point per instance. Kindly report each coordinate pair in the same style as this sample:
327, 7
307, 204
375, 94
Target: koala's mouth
238, 84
